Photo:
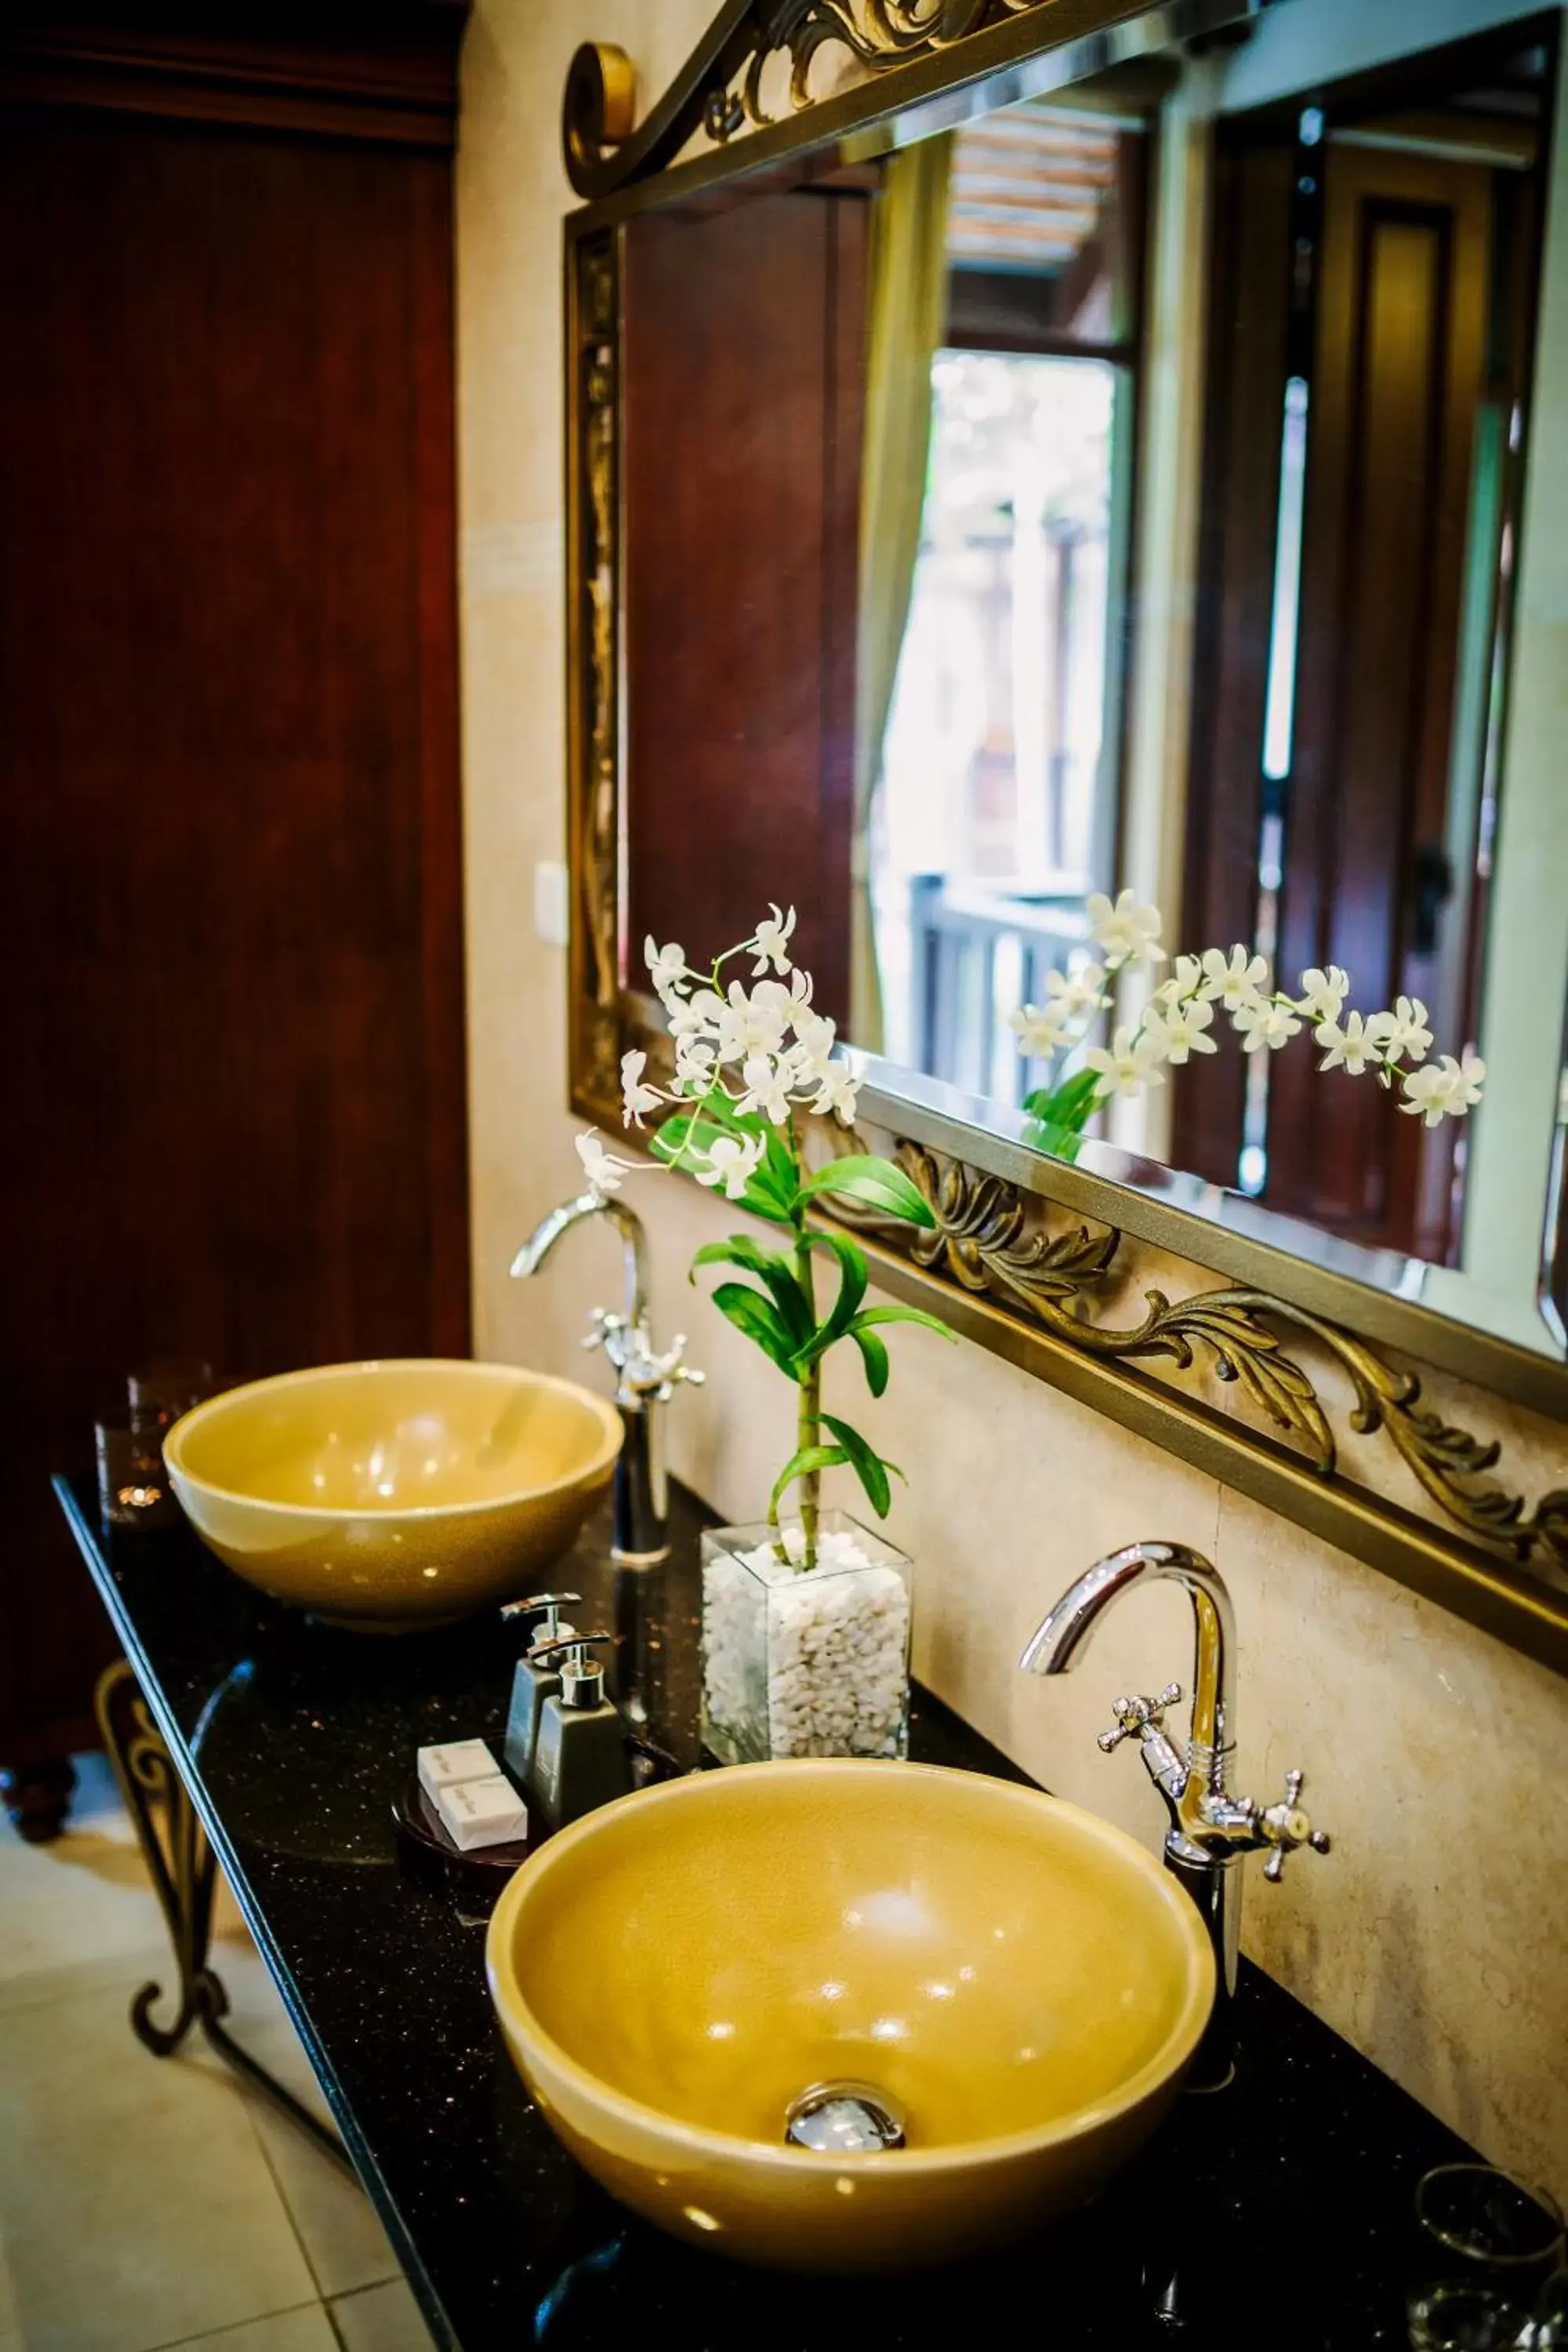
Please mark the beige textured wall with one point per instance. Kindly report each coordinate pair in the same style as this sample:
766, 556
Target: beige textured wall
1436, 1936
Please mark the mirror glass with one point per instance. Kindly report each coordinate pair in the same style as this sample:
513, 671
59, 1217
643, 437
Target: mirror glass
1155, 484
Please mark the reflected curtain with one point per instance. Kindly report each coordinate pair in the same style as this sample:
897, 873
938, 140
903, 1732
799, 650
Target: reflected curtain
907, 314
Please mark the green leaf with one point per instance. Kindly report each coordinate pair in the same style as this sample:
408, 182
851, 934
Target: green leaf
871, 1316
688, 1131
865, 1177
694, 1133
801, 1466
1067, 1107
793, 1307
867, 1464
874, 1356
750, 1312
852, 1282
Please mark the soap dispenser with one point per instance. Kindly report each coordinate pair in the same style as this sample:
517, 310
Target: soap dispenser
534, 1683
580, 1757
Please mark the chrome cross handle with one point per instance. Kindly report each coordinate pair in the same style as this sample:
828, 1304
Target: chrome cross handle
1136, 1715
1287, 1826
645, 1376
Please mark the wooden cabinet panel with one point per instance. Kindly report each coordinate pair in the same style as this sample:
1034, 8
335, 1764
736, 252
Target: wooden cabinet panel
231, 945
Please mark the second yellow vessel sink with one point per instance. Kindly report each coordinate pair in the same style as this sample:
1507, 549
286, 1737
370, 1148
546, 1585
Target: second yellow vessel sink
389, 1496
1012, 1981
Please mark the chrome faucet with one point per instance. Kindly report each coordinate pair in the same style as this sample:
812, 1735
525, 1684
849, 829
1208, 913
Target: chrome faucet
644, 1378
1211, 1831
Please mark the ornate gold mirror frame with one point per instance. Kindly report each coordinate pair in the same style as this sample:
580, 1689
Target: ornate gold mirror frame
1432, 1452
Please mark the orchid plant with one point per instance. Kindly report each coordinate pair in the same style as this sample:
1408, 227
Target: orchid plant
1180, 1014
750, 1063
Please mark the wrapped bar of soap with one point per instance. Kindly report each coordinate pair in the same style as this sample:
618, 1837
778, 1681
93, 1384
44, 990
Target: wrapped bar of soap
482, 1812
448, 1767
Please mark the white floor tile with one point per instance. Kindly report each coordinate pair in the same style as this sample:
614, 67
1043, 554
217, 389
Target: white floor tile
150, 2203
344, 2243
306, 2330
84, 1897
136, 2207
381, 2319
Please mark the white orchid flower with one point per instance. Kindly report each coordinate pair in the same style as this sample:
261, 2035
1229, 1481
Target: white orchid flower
1350, 1047
1186, 979
754, 1023
1128, 932
1466, 1083
1235, 981
836, 1091
1078, 991
732, 1161
771, 941
1323, 993
666, 966
693, 1064
814, 1034
1262, 1026
1181, 1015
1126, 1066
793, 1000
1401, 1035
1445, 1089
1180, 1029
697, 1015
635, 1097
767, 1087
604, 1171
1040, 1029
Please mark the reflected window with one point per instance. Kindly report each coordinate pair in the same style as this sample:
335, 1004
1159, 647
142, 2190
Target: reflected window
1002, 760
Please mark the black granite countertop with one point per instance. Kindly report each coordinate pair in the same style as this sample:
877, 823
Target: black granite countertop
1272, 2214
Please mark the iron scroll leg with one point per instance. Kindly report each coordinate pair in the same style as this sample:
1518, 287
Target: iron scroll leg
183, 1871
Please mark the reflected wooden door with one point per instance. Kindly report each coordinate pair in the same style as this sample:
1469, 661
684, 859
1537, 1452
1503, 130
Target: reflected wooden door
1399, 377
1413, 338
744, 344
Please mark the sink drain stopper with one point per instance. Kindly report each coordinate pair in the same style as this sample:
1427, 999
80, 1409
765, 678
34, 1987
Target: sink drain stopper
844, 2119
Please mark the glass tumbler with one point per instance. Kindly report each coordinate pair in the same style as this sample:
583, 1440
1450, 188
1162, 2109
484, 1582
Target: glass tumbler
166, 1388
1549, 2333
1485, 2244
134, 1489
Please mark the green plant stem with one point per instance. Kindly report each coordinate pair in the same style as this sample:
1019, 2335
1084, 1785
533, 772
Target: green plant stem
808, 1426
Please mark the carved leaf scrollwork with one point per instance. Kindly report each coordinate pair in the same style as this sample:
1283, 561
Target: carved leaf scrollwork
597, 880
985, 1242
878, 32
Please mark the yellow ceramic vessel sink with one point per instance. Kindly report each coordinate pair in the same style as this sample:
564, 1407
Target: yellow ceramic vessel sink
1012, 1979
394, 1495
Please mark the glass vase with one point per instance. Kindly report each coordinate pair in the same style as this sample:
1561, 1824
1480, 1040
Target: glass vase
805, 1662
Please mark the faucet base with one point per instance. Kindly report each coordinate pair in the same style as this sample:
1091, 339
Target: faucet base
1215, 1888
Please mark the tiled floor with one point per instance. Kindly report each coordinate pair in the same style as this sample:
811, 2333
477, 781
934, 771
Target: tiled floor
151, 2203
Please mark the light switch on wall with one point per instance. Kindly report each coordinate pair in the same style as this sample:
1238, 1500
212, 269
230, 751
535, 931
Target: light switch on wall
551, 920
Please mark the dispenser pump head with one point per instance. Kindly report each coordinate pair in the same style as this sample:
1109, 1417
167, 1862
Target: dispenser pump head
545, 1608
582, 1677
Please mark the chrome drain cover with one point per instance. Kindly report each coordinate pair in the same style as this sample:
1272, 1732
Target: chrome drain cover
844, 2119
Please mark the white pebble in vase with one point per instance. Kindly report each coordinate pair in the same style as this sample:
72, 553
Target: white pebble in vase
805, 1662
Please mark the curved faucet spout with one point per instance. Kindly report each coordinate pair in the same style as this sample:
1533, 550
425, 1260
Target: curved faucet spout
645, 1379
536, 1249
1210, 1828
1059, 1640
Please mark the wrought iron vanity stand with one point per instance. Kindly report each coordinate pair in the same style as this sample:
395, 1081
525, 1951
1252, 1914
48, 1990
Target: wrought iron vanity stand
184, 1871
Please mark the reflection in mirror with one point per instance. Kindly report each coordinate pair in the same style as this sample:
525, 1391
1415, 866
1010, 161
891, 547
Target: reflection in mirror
1159, 483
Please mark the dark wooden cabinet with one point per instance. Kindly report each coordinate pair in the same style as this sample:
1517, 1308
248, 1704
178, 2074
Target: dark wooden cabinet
228, 767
